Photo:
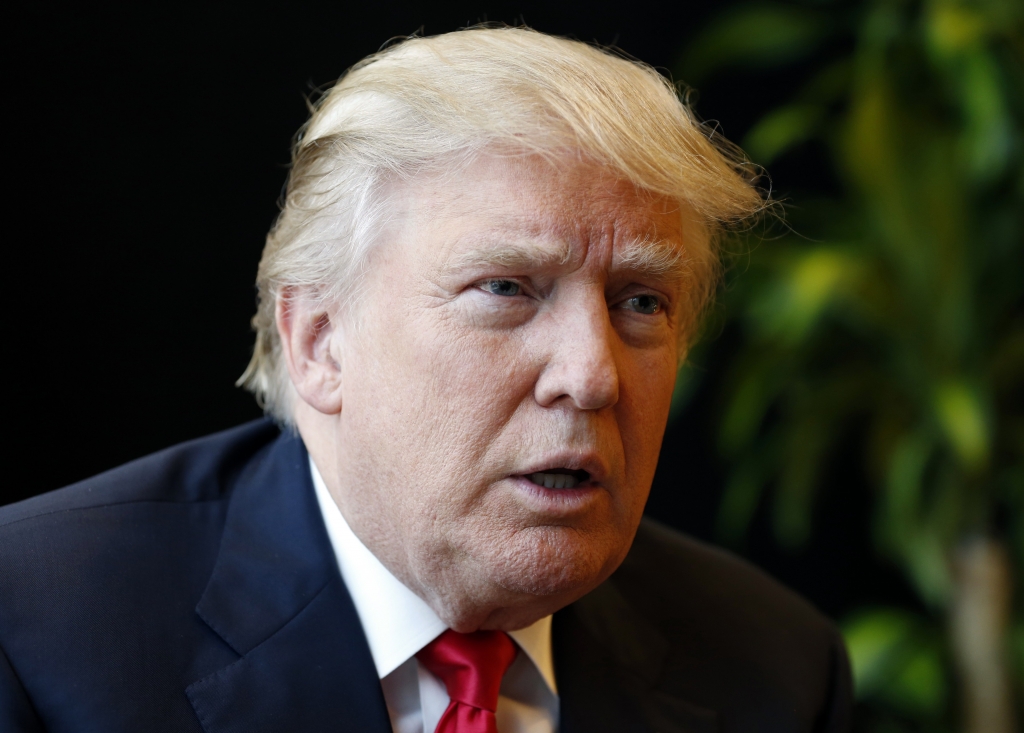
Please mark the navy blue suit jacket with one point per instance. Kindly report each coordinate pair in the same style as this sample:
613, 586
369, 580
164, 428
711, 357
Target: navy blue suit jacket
196, 590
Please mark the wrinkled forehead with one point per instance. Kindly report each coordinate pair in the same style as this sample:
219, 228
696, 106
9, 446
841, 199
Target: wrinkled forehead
556, 210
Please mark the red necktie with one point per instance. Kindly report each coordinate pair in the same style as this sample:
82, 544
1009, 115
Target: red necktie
471, 667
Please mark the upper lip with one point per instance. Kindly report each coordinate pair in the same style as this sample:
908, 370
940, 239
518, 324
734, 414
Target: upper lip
574, 461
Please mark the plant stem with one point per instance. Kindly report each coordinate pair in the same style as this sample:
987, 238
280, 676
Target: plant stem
979, 621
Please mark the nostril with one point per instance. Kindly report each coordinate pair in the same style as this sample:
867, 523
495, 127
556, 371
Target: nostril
586, 379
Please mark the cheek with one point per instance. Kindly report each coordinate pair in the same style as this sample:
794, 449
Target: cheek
479, 374
645, 395
445, 392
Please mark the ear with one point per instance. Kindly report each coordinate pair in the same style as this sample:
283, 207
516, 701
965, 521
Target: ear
309, 342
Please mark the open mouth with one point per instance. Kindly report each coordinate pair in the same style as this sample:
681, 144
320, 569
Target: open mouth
558, 478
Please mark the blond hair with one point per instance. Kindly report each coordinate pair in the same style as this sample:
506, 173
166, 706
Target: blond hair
435, 103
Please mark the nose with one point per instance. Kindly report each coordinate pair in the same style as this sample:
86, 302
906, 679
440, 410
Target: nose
581, 365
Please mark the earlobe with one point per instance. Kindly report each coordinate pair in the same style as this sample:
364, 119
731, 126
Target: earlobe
308, 335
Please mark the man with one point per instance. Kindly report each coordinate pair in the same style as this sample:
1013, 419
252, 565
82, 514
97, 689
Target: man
492, 256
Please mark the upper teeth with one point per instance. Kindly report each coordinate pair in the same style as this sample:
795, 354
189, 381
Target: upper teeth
554, 480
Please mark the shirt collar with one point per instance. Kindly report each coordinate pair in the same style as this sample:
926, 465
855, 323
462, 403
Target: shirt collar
396, 621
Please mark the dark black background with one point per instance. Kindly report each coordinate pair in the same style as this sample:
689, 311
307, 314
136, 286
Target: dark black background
146, 151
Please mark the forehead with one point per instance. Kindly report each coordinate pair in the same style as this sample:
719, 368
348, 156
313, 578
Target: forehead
564, 207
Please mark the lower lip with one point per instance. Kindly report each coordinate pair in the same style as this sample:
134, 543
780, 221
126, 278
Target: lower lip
557, 501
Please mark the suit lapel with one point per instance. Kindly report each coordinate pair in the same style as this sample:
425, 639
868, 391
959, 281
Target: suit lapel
608, 662
276, 597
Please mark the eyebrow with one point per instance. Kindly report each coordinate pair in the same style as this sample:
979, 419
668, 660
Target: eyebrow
656, 258
522, 255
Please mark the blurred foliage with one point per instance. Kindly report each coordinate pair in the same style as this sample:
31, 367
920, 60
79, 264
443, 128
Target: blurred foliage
897, 659
889, 315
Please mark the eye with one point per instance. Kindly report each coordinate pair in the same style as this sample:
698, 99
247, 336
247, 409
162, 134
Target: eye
501, 287
646, 304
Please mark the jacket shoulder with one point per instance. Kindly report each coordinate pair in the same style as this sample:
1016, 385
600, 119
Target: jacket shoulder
99, 582
681, 575
198, 470
740, 642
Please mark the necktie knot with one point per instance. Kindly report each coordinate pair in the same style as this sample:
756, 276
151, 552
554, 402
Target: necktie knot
471, 667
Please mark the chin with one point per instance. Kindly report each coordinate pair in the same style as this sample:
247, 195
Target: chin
554, 561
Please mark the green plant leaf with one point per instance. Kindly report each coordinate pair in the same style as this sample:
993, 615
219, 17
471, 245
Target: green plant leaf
750, 399
743, 491
988, 135
782, 129
805, 287
962, 415
759, 35
953, 27
896, 657
919, 686
872, 639
807, 441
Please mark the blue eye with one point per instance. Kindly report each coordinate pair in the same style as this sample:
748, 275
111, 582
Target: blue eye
501, 287
646, 304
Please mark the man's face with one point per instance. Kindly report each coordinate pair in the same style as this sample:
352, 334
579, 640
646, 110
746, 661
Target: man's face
507, 371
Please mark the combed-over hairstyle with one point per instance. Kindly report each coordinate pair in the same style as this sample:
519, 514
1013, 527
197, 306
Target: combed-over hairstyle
430, 104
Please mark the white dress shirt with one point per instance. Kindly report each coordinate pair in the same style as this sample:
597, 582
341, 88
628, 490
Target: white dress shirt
398, 623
